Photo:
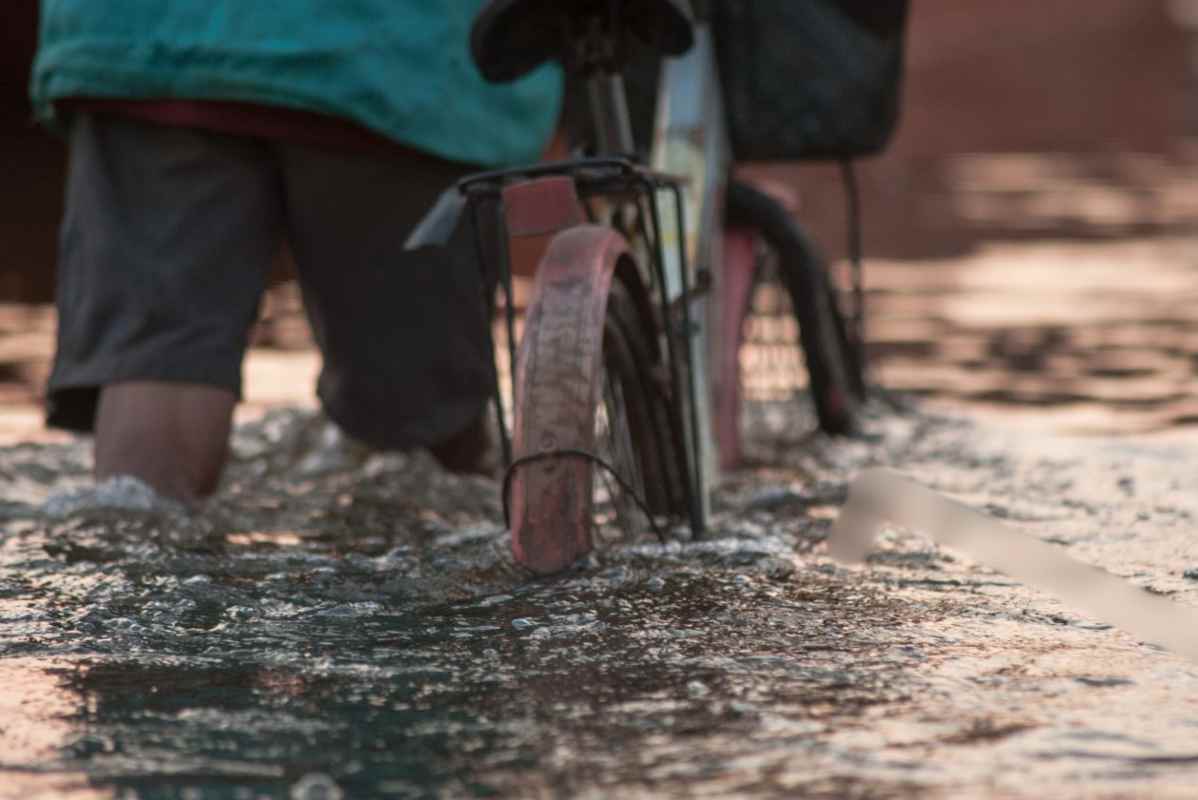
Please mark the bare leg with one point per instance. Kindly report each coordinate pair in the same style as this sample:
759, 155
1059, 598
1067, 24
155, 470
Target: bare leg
173, 436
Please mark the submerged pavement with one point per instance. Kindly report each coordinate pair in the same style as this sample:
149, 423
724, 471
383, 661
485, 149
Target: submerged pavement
341, 624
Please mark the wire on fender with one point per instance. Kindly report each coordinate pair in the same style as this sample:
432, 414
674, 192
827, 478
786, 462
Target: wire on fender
574, 453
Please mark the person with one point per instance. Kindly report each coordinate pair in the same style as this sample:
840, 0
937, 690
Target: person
202, 133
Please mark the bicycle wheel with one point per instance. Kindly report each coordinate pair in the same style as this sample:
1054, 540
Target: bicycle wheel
581, 396
635, 428
834, 372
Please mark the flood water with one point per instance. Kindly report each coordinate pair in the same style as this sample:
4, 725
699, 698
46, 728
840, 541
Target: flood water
340, 624
345, 624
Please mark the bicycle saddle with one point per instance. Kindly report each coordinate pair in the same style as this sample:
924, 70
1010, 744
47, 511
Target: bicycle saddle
511, 38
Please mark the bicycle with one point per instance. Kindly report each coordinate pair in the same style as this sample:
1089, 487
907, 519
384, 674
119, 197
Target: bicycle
612, 391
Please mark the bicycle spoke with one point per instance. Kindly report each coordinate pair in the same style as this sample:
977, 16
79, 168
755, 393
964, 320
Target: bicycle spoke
614, 443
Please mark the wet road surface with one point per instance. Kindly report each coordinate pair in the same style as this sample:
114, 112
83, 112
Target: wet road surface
340, 624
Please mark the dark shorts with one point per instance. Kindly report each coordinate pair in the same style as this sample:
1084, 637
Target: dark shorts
166, 247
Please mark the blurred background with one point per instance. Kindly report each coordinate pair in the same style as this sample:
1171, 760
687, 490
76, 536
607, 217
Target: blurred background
1031, 235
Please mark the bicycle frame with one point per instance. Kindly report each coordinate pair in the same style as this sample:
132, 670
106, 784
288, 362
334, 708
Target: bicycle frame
690, 140
547, 204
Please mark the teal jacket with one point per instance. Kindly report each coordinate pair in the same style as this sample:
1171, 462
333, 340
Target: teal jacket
401, 68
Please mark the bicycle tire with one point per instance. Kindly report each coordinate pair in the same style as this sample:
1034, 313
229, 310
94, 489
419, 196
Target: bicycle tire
554, 504
833, 368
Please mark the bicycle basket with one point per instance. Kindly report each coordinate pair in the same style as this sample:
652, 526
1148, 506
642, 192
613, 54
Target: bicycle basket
809, 79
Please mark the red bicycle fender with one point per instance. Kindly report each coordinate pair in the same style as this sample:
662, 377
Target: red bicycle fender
557, 388
739, 264
535, 210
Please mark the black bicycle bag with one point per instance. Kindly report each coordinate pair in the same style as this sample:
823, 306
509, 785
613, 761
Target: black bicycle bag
809, 79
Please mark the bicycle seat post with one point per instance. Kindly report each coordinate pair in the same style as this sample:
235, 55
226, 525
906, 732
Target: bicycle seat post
599, 59
609, 105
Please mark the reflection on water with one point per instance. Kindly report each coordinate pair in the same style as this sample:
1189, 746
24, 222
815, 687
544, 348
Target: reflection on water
1068, 336
340, 624
34, 711
37, 720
